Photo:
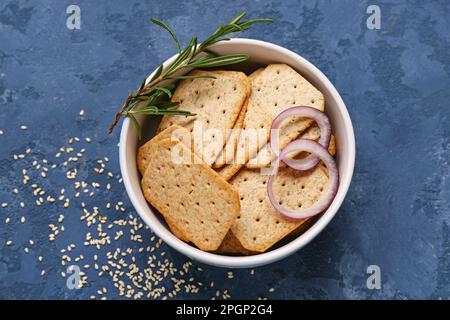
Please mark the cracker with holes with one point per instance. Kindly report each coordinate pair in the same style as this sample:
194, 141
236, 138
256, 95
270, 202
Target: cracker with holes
175, 131
277, 88
246, 144
216, 102
259, 226
192, 196
231, 245
274, 89
266, 156
227, 153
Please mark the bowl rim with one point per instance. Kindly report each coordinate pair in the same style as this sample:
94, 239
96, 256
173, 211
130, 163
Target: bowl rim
288, 248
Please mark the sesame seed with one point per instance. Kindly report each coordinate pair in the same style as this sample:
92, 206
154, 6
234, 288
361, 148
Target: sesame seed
23, 127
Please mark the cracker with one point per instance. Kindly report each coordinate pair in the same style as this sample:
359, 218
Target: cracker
302, 228
252, 76
279, 87
274, 89
193, 197
176, 232
172, 131
231, 245
226, 155
259, 226
142, 161
217, 103
248, 143
265, 155
229, 170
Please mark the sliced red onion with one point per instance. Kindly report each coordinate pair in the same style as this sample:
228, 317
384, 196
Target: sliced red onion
307, 112
325, 200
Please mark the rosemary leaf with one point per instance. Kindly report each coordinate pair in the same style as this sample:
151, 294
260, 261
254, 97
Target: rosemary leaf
191, 77
157, 73
166, 27
237, 18
165, 90
136, 125
218, 61
236, 26
152, 98
167, 105
167, 112
182, 57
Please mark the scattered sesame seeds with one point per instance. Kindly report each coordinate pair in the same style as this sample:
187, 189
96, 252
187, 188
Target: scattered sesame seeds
127, 254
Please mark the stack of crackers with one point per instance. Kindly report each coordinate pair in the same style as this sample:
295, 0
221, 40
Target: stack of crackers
216, 198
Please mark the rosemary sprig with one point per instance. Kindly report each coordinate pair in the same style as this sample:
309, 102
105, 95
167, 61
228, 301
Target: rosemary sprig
153, 97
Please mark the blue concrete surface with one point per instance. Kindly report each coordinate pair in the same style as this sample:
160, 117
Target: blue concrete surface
395, 82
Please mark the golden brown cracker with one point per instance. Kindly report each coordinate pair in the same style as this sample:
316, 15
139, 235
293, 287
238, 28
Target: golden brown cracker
192, 196
259, 226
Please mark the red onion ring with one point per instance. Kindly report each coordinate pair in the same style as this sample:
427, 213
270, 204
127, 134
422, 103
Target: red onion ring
308, 112
324, 202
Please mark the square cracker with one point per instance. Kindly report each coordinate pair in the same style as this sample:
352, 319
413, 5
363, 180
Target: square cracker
216, 103
265, 155
279, 87
175, 131
227, 153
229, 170
231, 245
248, 143
275, 89
259, 226
257, 115
192, 196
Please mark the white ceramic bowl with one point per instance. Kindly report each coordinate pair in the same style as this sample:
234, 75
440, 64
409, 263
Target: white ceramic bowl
263, 53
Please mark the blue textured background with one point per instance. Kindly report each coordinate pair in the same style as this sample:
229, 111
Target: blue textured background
395, 82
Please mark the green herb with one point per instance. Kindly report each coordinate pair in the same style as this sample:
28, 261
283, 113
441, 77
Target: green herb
153, 97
